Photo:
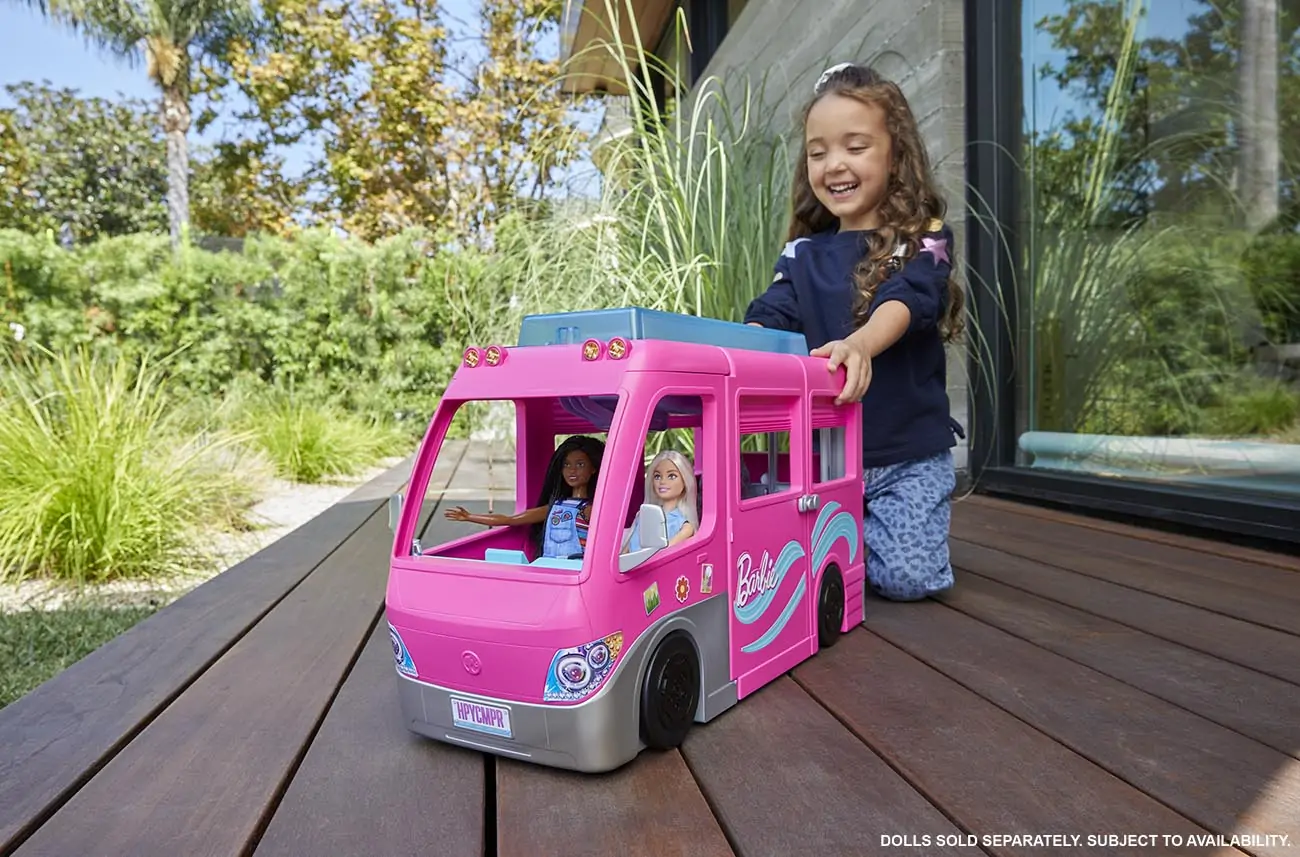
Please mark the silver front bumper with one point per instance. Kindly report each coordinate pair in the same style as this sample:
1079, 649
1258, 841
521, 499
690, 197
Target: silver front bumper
600, 734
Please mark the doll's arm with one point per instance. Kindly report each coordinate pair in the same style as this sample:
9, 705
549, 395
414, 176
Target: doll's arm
535, 515
687, 530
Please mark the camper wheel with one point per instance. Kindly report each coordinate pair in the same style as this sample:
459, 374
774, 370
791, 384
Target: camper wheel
830, 607
670, 692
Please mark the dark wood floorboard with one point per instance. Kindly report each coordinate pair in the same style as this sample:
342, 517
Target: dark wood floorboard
1200, 545
369, 786
57, 736
649, 808
785, 777
1257, 705
1265, 650
991, 772
1214, 776
1083, 677
1263, 595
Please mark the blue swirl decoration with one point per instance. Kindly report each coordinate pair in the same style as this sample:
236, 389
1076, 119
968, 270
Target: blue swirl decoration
831, 526
790, 554
771, 633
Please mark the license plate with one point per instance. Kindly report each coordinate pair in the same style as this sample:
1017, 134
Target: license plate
480, 717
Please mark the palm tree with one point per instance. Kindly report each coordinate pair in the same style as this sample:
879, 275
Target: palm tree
171, 34
1259, 170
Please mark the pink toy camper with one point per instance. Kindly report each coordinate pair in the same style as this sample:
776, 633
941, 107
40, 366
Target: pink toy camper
609, 620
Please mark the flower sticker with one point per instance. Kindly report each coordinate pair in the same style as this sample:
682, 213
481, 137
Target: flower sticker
683, 590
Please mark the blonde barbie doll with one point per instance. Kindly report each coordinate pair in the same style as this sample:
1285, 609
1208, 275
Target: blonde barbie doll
671, 485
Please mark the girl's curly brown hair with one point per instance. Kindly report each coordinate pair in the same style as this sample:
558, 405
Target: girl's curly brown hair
911, 201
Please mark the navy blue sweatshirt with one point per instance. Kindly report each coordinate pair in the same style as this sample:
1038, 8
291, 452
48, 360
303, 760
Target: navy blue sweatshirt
905, 410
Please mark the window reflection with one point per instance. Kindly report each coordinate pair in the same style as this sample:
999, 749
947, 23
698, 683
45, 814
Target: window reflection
1161, 279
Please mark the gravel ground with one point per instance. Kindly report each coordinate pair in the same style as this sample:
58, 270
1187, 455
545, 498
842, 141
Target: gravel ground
285, 507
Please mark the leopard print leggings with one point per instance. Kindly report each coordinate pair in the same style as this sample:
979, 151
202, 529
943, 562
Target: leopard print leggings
908, 511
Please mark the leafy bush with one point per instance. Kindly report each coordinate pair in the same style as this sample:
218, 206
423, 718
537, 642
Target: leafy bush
366, 325
109, 486
310, 442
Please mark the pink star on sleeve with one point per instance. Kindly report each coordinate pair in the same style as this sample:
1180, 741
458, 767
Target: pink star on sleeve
938, 248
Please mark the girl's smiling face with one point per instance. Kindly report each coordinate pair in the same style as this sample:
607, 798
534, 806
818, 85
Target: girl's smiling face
849, 149
668, 482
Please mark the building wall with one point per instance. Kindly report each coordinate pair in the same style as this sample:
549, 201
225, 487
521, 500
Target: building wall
919, 45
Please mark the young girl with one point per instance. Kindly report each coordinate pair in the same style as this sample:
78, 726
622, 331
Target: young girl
865, 276
562, 516
672, 486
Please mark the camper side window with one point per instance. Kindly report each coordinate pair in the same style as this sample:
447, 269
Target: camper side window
830, 453
668, 480
765, 426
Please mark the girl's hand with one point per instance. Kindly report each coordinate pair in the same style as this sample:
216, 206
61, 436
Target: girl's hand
460, 513
857, 367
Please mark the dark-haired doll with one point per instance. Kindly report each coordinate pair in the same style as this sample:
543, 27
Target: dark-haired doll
563, 512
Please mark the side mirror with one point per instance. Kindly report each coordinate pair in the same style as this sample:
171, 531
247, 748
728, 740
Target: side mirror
653, 537
654, 527
394, 510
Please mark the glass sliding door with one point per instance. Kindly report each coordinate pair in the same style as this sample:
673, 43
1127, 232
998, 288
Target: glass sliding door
1153, 280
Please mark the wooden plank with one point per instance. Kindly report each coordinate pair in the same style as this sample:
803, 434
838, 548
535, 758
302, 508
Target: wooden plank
56, 737
369, 786
785, 777
1223, 781
650, 807
992, 774
200, 778
988, 527
1260, 706
1248, 596
1176, 540
1265, 650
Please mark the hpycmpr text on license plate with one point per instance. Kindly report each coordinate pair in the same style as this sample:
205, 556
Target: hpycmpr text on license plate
488, 719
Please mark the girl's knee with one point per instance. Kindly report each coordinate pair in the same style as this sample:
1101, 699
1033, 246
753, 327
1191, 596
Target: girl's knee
909, 584
902, 571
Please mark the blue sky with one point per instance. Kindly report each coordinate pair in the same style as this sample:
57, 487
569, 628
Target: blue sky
1047, 104
32, 48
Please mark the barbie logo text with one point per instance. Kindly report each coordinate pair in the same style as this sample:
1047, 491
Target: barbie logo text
751, 582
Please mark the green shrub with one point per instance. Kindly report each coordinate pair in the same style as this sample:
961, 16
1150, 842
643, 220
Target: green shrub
367, 325
108, 485
1252, 406
311, 442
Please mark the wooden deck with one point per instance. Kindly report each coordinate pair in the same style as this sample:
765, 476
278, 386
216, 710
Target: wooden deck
1084, 679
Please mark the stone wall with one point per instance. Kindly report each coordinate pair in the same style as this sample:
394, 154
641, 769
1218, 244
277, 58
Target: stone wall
781, 47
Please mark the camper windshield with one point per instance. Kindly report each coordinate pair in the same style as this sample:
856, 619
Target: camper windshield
513, 480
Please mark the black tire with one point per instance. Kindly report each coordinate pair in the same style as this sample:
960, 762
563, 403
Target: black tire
670, 693
830, 607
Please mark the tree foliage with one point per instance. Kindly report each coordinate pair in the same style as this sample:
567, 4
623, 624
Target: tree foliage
80, 168
1179, 144
88, 168
403, 133
170, 35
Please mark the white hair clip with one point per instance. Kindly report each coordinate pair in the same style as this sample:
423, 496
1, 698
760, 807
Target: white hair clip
826, 75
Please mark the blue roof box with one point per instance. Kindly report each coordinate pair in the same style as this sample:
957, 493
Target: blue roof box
638, 323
